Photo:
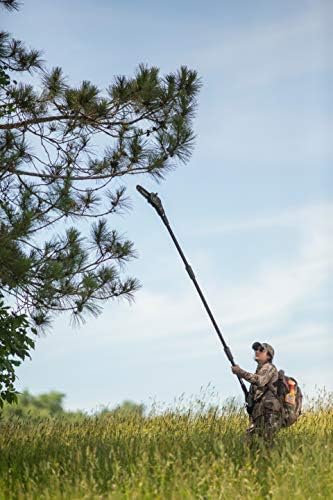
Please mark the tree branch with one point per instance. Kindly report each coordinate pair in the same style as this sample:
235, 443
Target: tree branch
34, 121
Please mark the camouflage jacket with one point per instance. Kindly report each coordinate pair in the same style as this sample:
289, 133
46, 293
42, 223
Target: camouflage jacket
263, 388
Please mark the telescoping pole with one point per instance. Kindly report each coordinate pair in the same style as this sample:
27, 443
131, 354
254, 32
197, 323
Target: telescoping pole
155, 201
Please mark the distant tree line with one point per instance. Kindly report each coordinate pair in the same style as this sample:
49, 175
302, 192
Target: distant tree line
51, 404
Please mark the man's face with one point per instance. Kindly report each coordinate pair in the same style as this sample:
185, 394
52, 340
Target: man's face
261, 355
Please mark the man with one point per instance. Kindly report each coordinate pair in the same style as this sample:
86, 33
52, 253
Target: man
266, 416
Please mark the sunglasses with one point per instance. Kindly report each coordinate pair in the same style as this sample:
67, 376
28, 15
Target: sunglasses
260, 349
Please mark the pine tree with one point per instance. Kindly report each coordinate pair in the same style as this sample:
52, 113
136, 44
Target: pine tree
53, 174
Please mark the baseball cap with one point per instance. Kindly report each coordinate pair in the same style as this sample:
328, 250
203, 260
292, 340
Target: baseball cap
268, 348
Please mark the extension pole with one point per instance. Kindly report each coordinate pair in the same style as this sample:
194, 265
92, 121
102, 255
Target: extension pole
155, 201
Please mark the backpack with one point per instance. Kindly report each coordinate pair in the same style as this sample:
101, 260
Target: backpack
290, 397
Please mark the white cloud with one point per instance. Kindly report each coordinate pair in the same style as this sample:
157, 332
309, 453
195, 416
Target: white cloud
279, 288
250, 108
248, 308
307, 219
267, 53
258, 131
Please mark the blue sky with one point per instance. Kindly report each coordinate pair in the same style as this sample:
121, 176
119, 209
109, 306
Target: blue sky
253, 208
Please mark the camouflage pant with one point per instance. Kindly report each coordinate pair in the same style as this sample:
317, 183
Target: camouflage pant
264, 426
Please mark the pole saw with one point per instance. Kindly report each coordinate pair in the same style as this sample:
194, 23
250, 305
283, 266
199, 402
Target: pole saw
155, 201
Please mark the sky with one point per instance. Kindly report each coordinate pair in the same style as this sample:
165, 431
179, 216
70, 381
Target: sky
252, 209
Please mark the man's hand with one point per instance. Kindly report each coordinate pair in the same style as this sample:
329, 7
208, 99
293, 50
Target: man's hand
236, 369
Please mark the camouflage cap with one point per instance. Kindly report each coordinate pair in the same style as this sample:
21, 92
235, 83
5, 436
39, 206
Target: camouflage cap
265, 346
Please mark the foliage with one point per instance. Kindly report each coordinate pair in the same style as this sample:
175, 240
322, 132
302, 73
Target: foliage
15, 344
172, 455
50, 404
28, 405
54, 172
125, 410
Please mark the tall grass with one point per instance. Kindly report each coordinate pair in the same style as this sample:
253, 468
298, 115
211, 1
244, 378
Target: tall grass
174, 455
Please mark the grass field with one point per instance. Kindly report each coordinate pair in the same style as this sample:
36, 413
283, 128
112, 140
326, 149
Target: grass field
176, 455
